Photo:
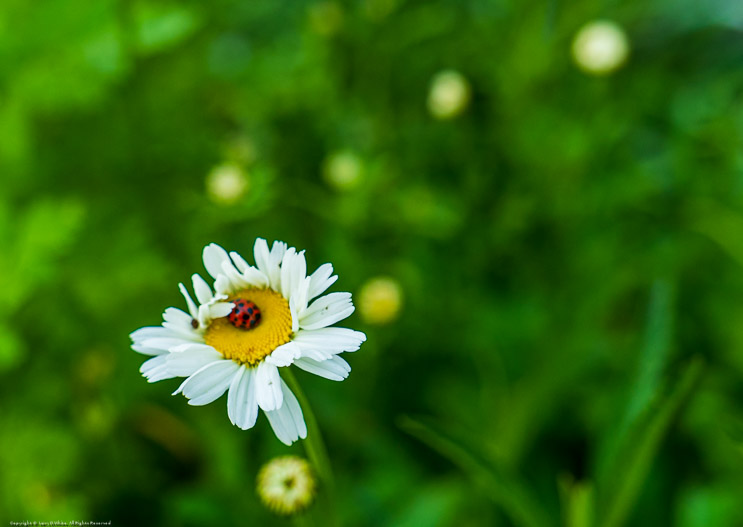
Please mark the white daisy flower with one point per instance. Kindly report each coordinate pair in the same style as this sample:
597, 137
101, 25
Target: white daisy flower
258, 319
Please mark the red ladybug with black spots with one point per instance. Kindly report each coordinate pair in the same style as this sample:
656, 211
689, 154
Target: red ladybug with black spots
245, 314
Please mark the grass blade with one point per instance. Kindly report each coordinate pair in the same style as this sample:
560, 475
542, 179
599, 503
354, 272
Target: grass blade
643, 445
504, 489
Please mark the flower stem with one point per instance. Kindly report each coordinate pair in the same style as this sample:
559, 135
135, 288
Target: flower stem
313, 444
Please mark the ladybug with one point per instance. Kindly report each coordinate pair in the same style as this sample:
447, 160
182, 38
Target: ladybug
245, 314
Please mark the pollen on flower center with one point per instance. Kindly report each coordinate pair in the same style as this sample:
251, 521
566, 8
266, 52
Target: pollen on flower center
248, 343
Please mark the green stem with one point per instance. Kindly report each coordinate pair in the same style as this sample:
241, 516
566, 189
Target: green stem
313, 444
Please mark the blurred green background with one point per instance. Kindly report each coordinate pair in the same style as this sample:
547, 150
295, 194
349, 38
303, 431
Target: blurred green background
564, 248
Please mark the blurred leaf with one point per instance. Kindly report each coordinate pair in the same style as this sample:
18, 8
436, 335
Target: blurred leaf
160, 26
655, 354
578, 502
648, 380
43, 233
433, 505
635, 460
11, 348
707, 506
720, 224
506, 490
31, 248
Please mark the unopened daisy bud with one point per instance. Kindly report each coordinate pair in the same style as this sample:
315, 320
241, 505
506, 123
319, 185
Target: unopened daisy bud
286, 485
380, 300
600, 47
449, 94
343, 170
226, 183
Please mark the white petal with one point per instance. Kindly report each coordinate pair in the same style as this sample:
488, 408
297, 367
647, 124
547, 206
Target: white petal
183, 332
176, 316
252, 275
233, 392
189, 300
260, 253
330, 340
288, 422
237, 281
293, 314
316, 354
156, 369
179, 323
209, 383
268, 386
188, 362
205, 311
165, 344
150, 332
192, 346
284, 355
202, 289
268, 261
223, 285
147, 351
293, 271
239, 262
335, 368
278, 249
241, 404
255, 277
220, 309
327, 310
320, 280
300, 297
214, 258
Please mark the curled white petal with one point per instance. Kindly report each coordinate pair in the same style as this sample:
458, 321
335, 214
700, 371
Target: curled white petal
149, 332
191, 359
329, 340
242, 406
327, 310
335, 368
209, 382
288, 422
164, 343
220, 309
147, 351
284, 355
268, 387
156, 369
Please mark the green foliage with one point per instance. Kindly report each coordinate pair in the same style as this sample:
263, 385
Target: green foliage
569, 249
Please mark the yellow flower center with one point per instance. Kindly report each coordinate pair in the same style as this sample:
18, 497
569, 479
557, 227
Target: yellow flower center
253, 345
